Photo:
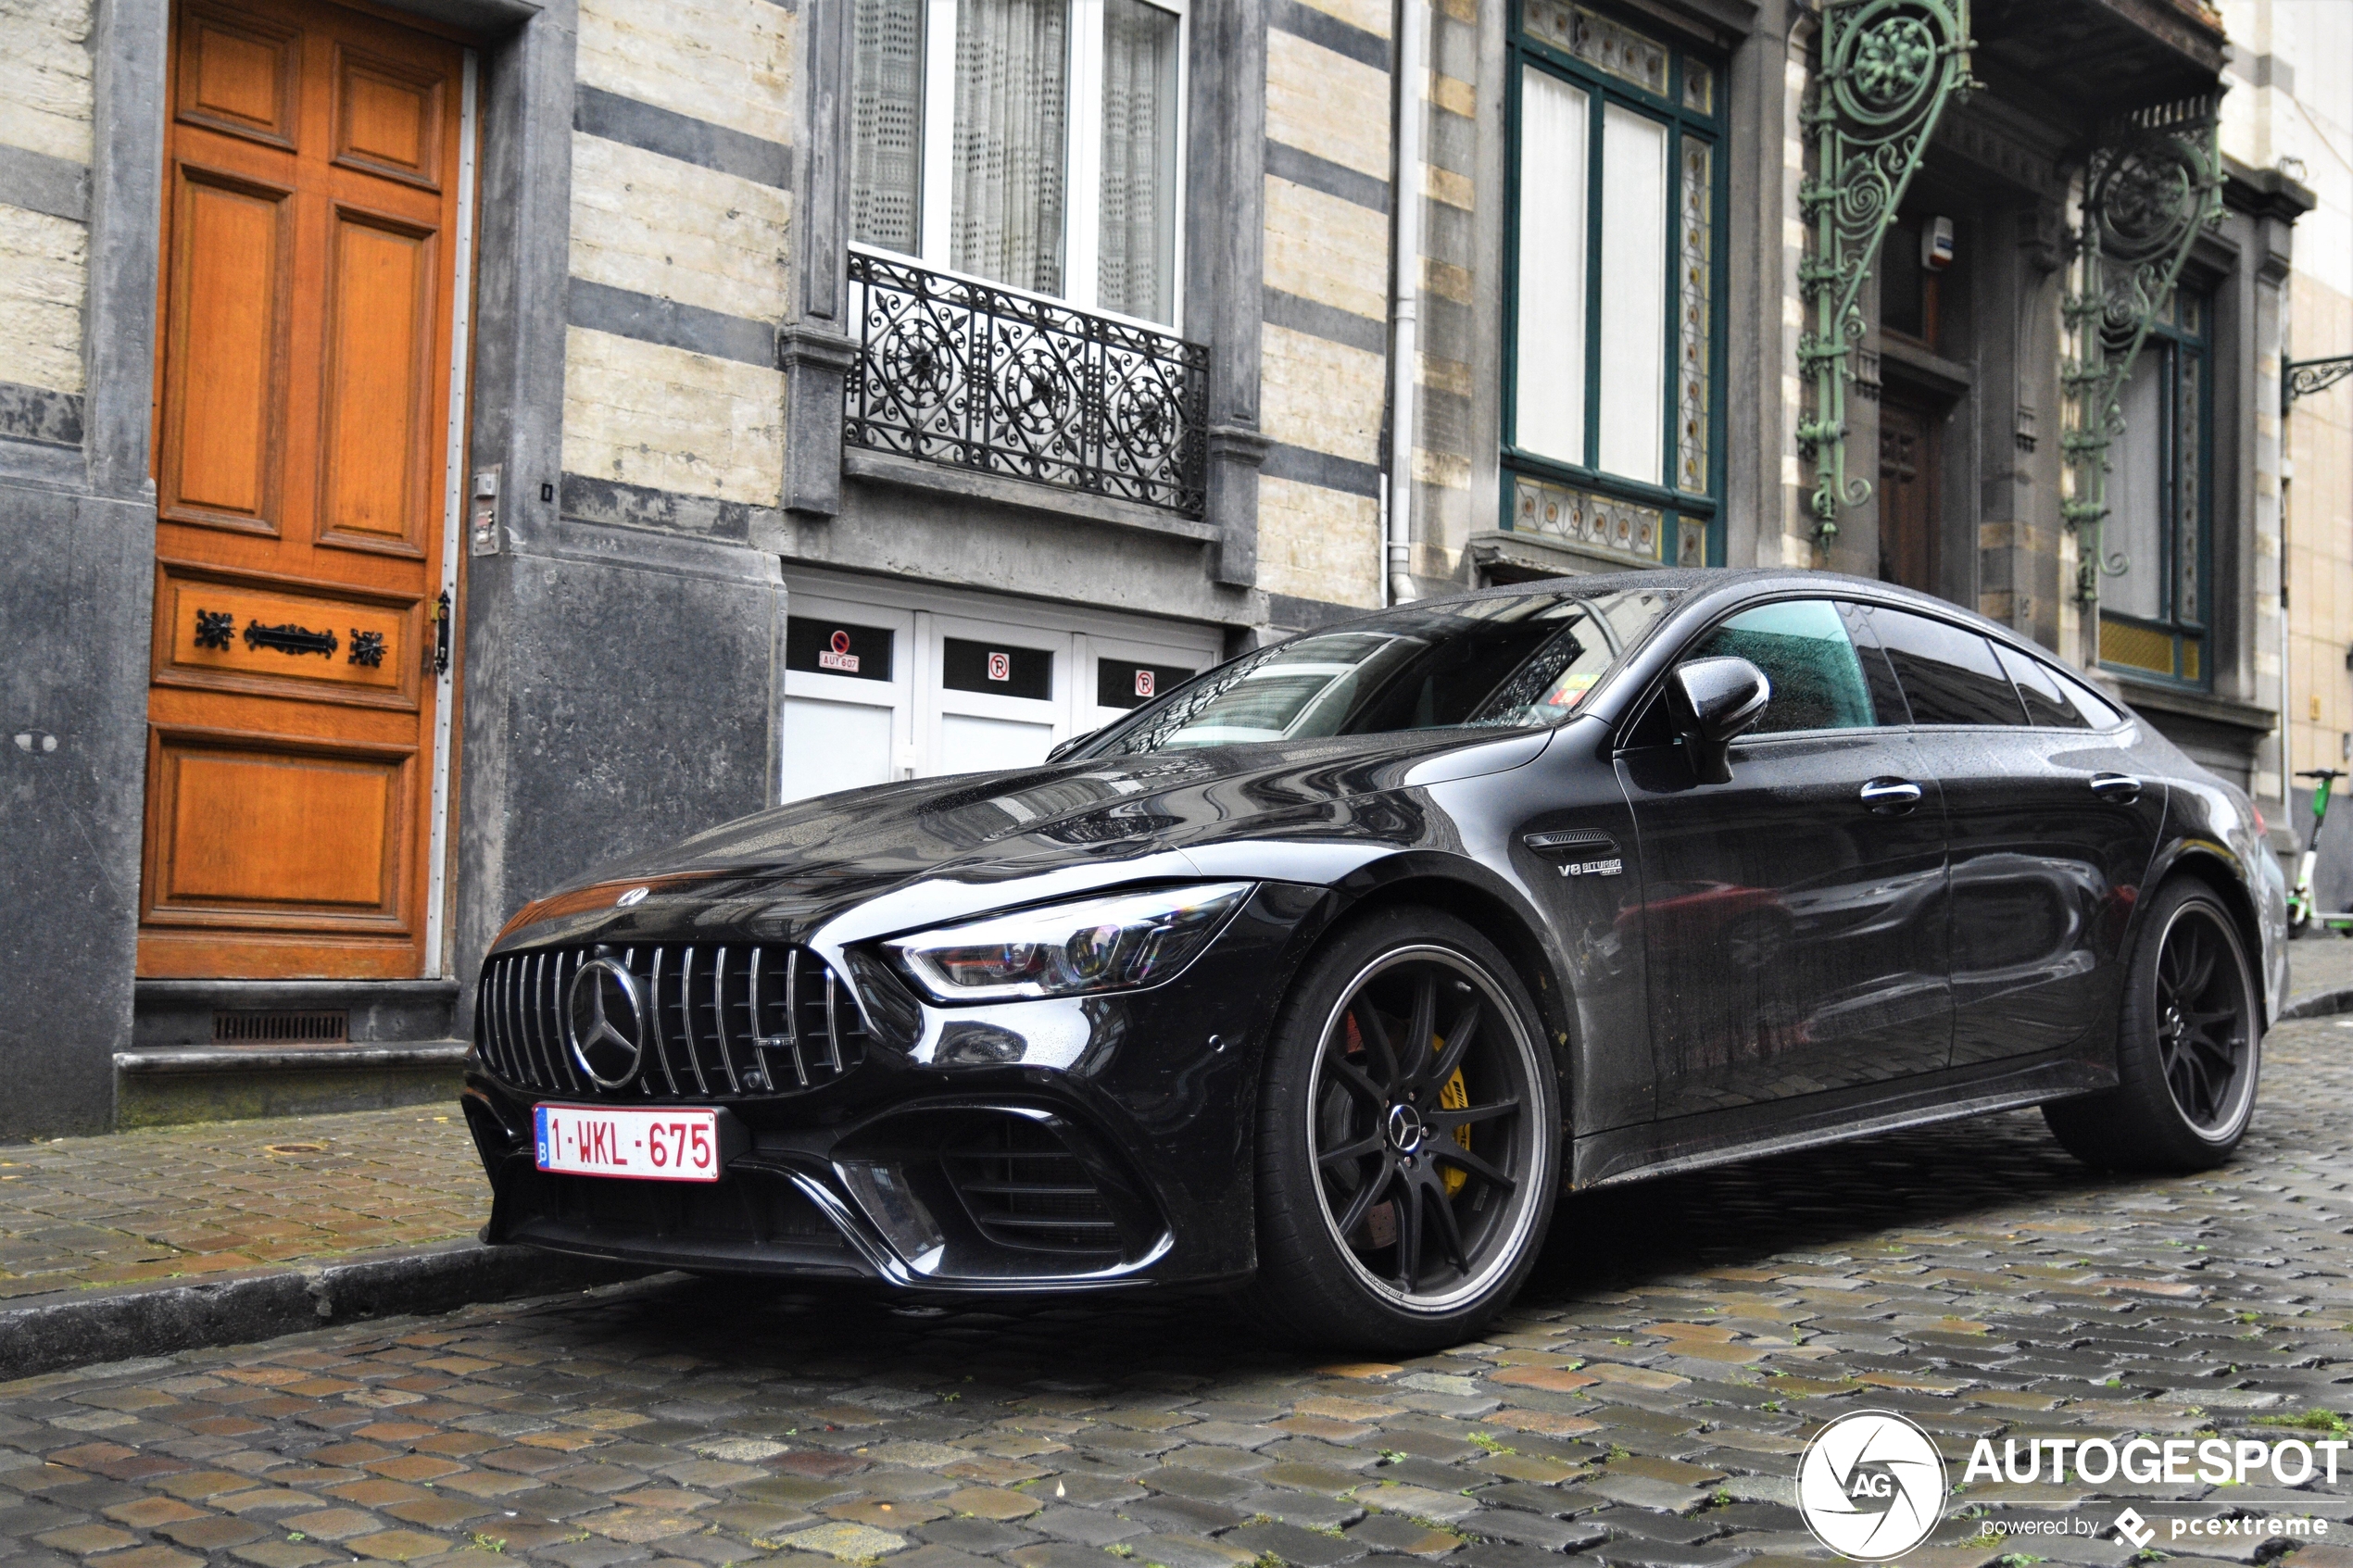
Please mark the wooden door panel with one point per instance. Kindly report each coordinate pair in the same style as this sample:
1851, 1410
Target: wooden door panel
239, 74
1907, 469
256, 830
388, 118
224, 395
302, 400
244, 631
379, 385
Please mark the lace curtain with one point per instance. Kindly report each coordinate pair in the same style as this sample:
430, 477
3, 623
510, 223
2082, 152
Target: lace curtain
1136, 254
887, 104
1005, 212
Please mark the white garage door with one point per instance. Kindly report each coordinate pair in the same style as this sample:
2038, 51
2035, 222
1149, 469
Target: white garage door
884, 682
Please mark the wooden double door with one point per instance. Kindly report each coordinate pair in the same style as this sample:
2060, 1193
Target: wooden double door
309, 236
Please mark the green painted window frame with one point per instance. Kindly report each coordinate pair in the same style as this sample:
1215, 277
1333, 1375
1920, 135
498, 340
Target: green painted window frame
1711, 126
2190, 635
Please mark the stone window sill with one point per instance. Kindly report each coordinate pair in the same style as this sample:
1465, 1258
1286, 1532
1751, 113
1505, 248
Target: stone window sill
907, 473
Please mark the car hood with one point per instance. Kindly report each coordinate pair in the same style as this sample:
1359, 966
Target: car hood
865, 862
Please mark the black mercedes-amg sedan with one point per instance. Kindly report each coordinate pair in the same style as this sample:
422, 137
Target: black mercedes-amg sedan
1319, 978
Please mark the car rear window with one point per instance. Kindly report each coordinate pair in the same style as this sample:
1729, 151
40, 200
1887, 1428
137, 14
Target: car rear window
1950, 676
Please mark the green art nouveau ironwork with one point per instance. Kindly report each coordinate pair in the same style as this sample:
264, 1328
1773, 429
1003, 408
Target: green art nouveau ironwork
1888, 68
2153, 182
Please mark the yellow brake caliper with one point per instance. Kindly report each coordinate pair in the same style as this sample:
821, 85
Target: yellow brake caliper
1455, 1095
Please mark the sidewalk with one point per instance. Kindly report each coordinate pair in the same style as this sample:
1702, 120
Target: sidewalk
173, 1237
229, 1199
167, 1238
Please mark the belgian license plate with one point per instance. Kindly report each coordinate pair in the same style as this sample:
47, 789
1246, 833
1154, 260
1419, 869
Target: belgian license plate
650, 1145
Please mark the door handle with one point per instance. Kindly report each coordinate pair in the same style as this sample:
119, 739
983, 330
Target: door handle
2122, 787
1891, 798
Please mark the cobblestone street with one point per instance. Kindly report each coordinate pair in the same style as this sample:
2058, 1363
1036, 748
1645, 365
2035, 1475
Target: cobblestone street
1643, 1405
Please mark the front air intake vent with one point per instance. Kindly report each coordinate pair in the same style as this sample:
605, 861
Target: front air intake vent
1025, 1190
716, 1021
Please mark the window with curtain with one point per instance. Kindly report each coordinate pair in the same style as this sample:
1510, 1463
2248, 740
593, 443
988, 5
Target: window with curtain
1614, 259
1032, 143
2153, 617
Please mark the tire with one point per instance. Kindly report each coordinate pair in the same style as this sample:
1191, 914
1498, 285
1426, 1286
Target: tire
1463, 1160
2189, 1047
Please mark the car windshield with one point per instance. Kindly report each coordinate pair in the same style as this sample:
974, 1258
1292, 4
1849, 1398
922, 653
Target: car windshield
1505, 662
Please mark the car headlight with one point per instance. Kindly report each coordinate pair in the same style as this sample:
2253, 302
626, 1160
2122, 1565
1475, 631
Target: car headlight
1109, 944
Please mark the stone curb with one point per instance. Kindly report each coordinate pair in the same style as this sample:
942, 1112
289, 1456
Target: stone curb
2318, 1004
113, 1325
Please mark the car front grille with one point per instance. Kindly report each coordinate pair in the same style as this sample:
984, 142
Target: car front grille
719, 1022
1025, 1190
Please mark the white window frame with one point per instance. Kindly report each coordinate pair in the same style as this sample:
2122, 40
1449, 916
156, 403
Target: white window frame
1082, 156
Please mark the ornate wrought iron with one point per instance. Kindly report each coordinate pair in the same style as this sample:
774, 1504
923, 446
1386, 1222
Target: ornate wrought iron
2151, 184
213, 628
962, 373
2305, 377
287, 637
1889, 67
437, 660
367, 647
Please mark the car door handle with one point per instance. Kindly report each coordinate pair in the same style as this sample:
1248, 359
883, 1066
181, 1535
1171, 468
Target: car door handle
1891, 798
2122, 787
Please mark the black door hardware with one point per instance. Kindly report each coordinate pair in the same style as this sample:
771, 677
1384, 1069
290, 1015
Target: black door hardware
287, 637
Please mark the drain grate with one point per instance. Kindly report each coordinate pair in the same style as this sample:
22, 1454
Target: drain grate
325, 1027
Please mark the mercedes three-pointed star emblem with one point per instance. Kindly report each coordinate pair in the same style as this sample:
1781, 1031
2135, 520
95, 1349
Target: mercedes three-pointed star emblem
604, 1022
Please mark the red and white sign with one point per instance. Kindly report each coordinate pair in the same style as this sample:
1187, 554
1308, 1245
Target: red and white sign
1143, 682
651, 1146
839, 656
1000, 667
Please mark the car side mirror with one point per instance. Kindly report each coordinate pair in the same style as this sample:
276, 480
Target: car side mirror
1713, 701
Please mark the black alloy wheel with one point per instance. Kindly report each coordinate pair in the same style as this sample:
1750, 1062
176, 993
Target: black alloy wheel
2189, 1047
1409, 1138
2203, 1037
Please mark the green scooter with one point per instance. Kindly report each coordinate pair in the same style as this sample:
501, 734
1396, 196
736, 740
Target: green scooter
2300, 913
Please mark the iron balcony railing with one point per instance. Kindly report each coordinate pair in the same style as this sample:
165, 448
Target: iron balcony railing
963, 373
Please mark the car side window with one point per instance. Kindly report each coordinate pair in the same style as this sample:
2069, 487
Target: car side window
2097, 711
2047, 703
1803, 647
1950, 676
1887, 694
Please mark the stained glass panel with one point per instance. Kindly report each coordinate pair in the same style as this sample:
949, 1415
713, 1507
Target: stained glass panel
1606, 45
1696, 262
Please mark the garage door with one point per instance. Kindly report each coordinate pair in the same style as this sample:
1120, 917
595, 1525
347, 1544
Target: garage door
887, 683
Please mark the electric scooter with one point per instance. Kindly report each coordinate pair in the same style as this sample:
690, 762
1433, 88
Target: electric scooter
2300, 913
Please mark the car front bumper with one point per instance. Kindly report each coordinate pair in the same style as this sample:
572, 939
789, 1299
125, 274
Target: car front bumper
1073, 1144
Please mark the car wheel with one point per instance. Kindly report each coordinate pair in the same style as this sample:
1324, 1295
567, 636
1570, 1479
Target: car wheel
2188, 1051
1408, 1140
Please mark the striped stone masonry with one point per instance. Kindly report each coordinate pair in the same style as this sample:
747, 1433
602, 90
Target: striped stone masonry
1323, 350
46, 107
681, 224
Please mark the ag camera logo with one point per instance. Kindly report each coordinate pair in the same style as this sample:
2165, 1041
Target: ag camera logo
1871, 1485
